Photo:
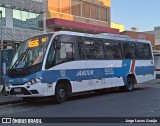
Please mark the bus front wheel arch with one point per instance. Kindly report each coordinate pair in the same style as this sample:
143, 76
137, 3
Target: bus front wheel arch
62, 91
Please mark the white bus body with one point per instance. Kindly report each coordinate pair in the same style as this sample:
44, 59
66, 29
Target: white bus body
77, 62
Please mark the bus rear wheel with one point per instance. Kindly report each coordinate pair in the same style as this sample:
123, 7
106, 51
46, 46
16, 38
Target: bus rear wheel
129, 85
60, 93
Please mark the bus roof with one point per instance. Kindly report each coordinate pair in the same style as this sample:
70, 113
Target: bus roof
102, 35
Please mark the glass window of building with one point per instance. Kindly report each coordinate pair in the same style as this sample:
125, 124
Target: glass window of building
53, 5
94, 12
17, 18
103, 14
32, 20
25, 18
86, 9
3, 16
76, 7
65, 6
39, 22
28, 20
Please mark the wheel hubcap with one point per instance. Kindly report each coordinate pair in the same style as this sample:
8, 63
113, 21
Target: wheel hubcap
130, 86
62, 93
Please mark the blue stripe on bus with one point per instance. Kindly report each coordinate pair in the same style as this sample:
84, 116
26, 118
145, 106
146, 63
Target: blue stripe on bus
144, 70
87, 74
24, 80
51, 76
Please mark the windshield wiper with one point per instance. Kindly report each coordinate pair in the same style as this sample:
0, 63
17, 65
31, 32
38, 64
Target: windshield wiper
20, 58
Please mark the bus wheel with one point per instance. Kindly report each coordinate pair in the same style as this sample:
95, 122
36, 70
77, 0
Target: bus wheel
129, 85
60, 93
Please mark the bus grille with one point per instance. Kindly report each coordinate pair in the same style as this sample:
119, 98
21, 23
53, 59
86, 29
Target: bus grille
34, 91
23, 91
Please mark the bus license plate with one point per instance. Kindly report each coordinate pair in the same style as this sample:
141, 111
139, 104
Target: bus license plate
17, 90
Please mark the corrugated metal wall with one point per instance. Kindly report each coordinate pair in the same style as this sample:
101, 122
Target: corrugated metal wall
18, 34
29, 5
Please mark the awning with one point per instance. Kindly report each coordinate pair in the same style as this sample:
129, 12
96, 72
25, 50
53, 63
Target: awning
55, 22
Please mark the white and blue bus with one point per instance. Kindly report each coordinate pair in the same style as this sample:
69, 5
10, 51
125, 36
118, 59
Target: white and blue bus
64, 63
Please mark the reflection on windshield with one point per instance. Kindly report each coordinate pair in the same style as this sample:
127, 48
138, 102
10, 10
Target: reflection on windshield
31, 52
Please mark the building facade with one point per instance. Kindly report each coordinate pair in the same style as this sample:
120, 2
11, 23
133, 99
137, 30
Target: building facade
21, 19
156, 32
79, 15
140, 35
118, 26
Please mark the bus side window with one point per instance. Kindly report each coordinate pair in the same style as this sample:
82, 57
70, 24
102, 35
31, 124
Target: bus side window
112, 50
65, 53
144, 51
98, 51
81, 50
89, 48
129, 50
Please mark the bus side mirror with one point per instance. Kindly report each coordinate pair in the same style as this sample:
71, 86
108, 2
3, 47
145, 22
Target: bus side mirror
4, 68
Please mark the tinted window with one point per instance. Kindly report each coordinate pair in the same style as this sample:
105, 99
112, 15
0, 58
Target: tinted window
89, 48
112, 50
144, 51
98, 50
129, 50
81, 50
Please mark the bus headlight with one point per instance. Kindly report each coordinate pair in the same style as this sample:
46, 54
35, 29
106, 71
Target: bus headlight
34, 81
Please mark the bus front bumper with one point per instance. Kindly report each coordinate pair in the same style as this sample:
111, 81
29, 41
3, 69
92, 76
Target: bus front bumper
36, 90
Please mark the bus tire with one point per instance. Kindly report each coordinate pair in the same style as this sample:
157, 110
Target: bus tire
129, 87
60, 93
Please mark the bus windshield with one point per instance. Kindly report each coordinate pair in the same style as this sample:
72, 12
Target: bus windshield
31, 52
